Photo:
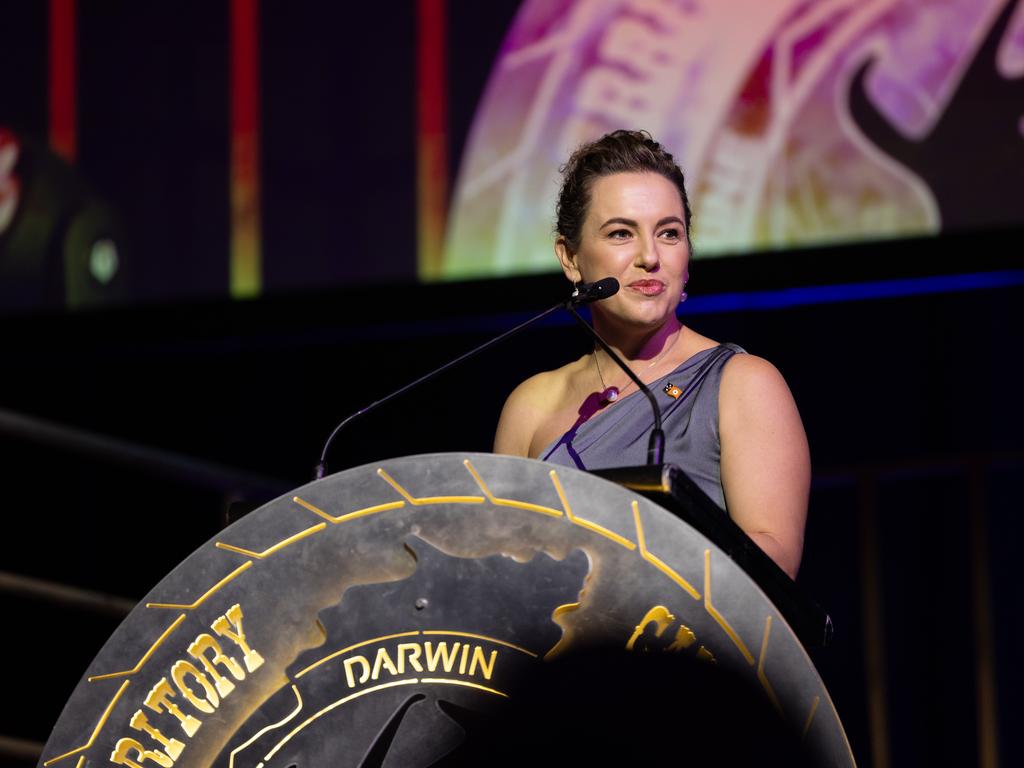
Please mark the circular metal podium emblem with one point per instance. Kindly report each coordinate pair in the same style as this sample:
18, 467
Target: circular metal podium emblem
374, 617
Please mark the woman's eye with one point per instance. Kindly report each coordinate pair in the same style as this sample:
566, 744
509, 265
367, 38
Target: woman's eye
671, 234
619, 234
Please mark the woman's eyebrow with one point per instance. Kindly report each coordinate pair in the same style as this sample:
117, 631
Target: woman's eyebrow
631, 223
620, 220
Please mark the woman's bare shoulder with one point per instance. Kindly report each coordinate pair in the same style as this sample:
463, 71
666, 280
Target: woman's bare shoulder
538, 387
529, 405
746, 375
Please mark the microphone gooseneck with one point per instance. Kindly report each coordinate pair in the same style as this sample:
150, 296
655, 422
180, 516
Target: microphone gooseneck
656, 442
585, 293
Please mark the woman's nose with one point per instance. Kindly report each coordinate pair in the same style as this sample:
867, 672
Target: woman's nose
647, 256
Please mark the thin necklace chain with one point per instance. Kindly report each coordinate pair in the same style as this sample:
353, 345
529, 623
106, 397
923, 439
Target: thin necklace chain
618, 392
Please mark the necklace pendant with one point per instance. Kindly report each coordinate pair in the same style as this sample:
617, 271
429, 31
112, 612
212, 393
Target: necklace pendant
610, 395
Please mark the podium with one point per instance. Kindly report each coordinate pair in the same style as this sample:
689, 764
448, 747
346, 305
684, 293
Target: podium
385, 614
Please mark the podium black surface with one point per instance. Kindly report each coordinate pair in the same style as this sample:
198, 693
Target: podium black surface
385, 615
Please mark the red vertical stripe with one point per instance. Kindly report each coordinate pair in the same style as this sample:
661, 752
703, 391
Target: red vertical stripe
432, 134
244, 80
431, 63
63, 79
245, 264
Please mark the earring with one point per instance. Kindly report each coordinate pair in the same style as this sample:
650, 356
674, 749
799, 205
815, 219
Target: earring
576, 289
684, 295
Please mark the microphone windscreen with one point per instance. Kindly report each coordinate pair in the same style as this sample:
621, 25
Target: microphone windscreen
598, 290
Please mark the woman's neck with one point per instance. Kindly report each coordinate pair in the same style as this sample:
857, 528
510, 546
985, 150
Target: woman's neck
642, 346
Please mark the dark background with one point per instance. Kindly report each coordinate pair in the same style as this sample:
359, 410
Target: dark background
911, 402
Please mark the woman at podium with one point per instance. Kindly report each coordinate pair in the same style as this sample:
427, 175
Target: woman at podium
730, 421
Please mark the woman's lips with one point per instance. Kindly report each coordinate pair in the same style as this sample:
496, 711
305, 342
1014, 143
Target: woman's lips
647, 287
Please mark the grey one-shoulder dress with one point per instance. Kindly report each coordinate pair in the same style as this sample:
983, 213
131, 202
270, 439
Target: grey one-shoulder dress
618, 436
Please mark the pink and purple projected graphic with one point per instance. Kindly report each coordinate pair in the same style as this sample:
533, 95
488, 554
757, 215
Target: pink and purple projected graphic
797, 122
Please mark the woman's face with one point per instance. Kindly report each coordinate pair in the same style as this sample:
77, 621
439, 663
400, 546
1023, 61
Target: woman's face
634, 232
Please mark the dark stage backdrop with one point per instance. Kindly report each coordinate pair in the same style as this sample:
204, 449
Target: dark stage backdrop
160, 161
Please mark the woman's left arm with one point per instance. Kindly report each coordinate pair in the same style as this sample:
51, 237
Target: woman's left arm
766, 465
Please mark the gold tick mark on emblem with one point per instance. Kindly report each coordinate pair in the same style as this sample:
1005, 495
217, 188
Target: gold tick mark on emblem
96, 731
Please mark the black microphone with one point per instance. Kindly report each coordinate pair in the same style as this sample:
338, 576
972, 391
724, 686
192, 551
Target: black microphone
610, 286
584, 293
587, 293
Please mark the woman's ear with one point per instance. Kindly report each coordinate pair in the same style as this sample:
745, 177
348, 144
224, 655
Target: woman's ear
567, 259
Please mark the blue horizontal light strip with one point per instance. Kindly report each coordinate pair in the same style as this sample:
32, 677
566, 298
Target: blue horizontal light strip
831, 294
752, 301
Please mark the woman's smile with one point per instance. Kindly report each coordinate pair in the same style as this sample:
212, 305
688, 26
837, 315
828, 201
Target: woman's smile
647, 287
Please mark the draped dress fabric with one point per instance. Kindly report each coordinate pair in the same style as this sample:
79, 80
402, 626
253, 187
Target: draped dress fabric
618, 436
